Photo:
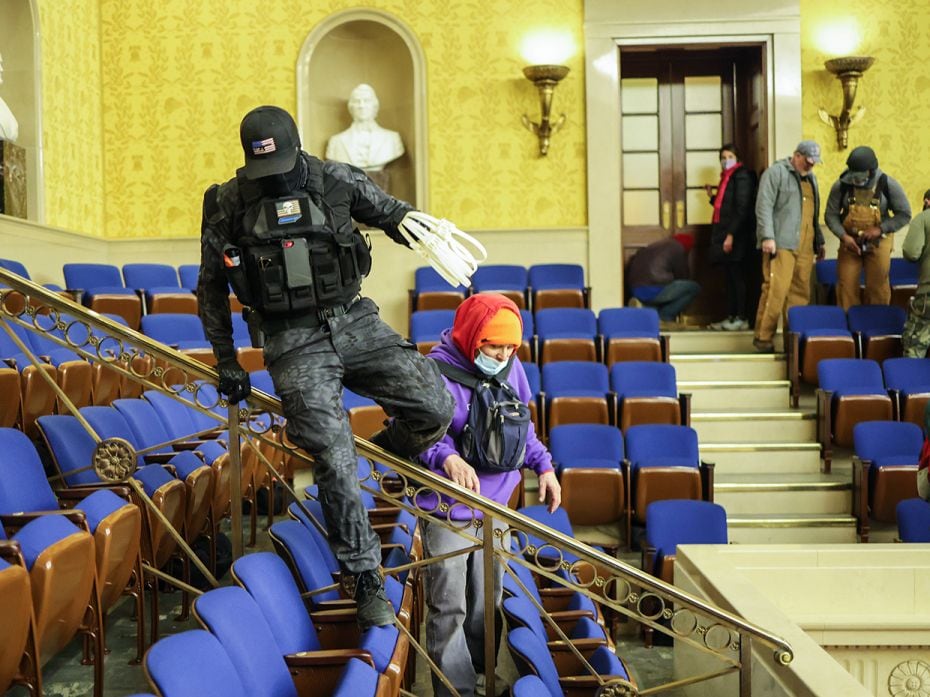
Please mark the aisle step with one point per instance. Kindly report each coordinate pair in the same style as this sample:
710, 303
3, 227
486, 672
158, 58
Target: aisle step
791, 529
784, 494
736, 394
736, 366
704, 341
762, 459
754, 426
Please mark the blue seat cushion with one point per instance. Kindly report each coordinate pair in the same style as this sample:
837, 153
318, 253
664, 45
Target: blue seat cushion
590, 463
586, 628
897, 460
665, 461
358, 680
380, 642
99, 505
40, 534
635, 334
605, 662
825, 331
186, 463
152, 477
858, 390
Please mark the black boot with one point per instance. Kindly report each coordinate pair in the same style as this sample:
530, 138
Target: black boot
373, 607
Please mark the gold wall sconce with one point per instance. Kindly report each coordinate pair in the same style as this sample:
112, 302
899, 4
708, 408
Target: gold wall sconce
848, 70
545, 77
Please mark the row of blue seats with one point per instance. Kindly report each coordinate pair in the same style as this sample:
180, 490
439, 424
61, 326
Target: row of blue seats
816, 332
901, 272
260, 641
568, 333
577, 391
541, 286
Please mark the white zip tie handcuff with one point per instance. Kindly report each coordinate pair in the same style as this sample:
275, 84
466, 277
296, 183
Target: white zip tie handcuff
438, 241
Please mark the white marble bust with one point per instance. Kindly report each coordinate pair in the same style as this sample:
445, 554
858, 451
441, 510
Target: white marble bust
365, 144
9, 128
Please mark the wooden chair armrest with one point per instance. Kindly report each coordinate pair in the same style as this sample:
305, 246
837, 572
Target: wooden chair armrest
333, 616
571, 615
585, 646
341, 604
327, 657
15, 521
77, 493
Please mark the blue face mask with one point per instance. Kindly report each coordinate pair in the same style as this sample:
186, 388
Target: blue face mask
487, 365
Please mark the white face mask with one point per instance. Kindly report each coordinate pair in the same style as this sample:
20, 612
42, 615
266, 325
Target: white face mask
487, 365
727, 163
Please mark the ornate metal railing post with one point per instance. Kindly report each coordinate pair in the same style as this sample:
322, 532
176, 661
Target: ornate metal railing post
490, 603
235, 478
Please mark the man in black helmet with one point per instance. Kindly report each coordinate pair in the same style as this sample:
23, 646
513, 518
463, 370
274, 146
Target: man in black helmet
281, 234
864, 209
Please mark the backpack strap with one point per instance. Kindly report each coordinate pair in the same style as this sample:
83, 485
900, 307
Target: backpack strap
463, 377
469, 379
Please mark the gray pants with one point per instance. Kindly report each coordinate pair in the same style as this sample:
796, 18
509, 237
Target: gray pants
309, 368
455, 608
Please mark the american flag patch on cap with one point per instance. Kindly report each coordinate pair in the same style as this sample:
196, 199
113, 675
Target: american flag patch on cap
263, 147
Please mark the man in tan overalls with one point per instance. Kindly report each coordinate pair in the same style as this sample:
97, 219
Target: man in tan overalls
788, 232
865, 207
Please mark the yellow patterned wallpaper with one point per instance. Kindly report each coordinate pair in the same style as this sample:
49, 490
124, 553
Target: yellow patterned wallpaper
72, 135
178, 76
142, 103
894, 90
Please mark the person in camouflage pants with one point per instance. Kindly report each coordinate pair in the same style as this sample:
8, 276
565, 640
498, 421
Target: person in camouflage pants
916, 337
310, 355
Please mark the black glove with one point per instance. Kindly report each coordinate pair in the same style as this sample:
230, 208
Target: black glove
234, 381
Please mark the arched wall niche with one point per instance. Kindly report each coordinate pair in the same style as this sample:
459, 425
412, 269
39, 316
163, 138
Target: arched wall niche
373, 47
21, 90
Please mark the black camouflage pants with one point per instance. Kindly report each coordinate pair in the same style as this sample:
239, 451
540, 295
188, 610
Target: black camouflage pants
309, 368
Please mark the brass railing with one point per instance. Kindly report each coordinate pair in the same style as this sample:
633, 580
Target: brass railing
502, 533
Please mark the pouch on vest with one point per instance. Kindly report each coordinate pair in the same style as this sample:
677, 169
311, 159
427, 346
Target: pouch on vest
278, 254
494, 436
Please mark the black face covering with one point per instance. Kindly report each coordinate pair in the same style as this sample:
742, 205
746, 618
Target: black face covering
281, 184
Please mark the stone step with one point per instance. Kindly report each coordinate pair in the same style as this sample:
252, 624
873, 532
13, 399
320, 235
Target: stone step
736, 394
784, 494
791, 529
754, 426
703, 341
761, 459
737, 366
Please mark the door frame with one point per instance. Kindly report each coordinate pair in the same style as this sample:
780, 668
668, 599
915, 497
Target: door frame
610, 26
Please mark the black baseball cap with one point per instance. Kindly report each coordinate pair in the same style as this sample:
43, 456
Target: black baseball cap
269, 141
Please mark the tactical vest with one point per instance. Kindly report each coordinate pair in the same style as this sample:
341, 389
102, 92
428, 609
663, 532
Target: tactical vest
288, 258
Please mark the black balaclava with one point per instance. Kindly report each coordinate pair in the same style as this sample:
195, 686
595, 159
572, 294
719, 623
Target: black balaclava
283, 184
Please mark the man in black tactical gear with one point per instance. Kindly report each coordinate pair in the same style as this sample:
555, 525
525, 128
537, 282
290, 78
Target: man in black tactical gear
281, 233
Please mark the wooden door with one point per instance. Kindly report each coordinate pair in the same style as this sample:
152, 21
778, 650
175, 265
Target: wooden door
678, 107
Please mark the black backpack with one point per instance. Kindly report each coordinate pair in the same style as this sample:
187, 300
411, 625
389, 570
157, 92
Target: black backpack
494, 436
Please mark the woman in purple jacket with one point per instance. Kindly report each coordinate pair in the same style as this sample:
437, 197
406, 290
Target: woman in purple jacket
486, 331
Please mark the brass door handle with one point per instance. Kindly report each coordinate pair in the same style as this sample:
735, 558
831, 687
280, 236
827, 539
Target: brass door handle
679, 214
666, 215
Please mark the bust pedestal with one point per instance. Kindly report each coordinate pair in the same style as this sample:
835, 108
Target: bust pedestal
12, 179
